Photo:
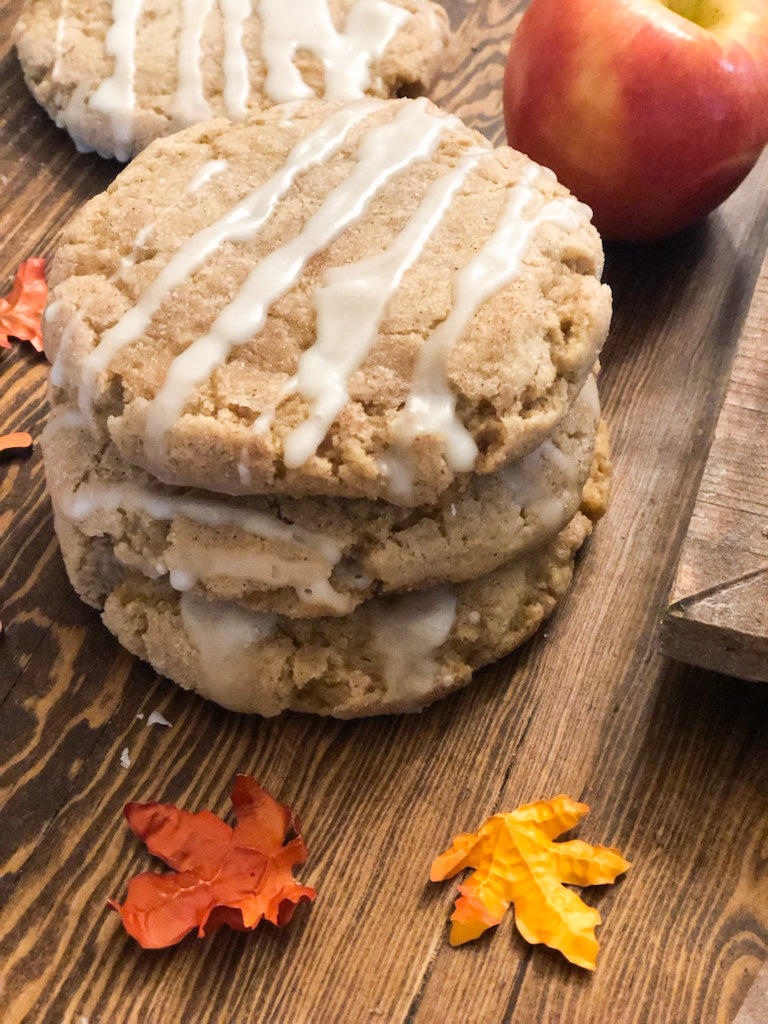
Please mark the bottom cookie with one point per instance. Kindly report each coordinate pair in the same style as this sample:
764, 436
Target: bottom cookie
392, 654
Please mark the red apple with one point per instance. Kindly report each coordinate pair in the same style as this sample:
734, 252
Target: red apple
650, 111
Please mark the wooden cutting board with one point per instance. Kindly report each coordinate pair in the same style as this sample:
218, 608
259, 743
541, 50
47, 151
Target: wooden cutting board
674, 764
718, 608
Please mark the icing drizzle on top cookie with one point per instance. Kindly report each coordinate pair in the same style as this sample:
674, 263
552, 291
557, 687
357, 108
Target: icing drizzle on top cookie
351, 300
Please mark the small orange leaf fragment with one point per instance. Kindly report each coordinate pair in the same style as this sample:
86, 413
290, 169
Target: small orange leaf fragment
516, 861
21, 311
18, 445
222, 875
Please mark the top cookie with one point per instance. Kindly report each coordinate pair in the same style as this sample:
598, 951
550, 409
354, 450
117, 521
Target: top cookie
117, 76
366, 301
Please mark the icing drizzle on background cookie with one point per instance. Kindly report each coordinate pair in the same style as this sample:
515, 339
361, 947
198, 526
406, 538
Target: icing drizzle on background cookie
348, 56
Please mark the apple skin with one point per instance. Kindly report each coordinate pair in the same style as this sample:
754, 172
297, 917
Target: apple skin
646, 116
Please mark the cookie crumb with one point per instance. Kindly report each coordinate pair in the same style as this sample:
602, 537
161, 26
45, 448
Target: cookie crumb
157, 719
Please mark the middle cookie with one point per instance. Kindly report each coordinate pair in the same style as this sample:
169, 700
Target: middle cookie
312, 556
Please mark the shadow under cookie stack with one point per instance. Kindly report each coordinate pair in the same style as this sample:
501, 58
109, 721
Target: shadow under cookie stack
325, 433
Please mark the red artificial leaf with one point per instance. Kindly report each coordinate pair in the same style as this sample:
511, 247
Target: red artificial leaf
21, 311
221, 875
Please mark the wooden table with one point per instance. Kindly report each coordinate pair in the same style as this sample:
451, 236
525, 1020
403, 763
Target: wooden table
673, 760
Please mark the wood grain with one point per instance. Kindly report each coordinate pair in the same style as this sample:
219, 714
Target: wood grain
718, 608
674, 761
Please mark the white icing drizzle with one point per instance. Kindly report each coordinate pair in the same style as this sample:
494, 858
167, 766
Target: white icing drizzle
240, 223
350, 306
320, 592
222, 631
385, 150
190, 562
211, 169
130, 496
306, 572
58, 45
236, 78
74, 114
266, 417
540, 483
430, 408
346, 57
396, 469
243, 472
51, 311
590, 397
189, 103
64, 419
181, 579
115, 95
90, 497
140, 238
56, 376
407, 632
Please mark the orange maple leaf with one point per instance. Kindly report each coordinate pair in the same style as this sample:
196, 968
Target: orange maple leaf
21, 311
516, 861
222, 875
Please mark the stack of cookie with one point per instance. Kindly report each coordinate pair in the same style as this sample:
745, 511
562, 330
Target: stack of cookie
325, 434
